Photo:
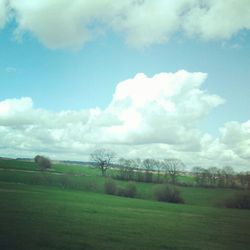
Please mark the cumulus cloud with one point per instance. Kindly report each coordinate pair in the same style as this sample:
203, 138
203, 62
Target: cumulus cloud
162, 109
3, 13
70, 24
218, 19
12, 111
154, 116
236, 136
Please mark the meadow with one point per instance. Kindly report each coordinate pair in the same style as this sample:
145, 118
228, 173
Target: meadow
66, 208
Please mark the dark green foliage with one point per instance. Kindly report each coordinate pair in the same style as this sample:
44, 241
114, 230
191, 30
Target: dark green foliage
128, 191
43, 163
110, 186
168, 194
140, 176
148, 176
241, 201
131, 189
17, 165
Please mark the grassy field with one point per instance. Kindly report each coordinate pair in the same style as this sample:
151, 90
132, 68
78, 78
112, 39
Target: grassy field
38, 212
89, 179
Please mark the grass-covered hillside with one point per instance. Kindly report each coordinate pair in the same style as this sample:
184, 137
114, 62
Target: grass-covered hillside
66, 208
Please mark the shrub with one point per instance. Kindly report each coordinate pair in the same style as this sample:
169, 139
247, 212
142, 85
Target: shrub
110, 187
167, 193
42, 162
128, 191
121, 191
148, 177
131, 189
64, 181
241, 201
140, 176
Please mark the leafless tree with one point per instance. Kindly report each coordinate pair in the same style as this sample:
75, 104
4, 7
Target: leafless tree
126, 168
228, 175
244, 179
213, 173
103, 159
200, 175
149, 165
173, 167
137, 162
138, 166
158, 167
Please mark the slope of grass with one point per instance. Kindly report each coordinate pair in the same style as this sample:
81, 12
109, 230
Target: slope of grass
88, 183
93, 182
18, 165
57, 167
75, 169
36, 217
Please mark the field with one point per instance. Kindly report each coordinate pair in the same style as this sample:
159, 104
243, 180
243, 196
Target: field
67, 209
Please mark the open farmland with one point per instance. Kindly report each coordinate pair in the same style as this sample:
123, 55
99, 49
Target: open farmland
56, 216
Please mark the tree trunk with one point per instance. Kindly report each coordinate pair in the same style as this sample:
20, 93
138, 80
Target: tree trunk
103, 171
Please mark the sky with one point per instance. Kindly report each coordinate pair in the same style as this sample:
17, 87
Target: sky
144, 78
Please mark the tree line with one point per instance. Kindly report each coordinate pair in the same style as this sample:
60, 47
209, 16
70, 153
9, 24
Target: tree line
167, 170
221, 177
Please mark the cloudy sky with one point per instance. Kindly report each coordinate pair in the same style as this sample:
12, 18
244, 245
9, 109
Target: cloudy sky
145, 78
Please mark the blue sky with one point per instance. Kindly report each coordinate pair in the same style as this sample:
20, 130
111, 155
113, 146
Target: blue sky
85, 78
84, 75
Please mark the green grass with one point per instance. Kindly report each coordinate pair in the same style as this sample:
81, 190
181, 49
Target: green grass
57, 167
37, 217
18, 165
75, 169
89, 179
66, 208
88, 183
191, 195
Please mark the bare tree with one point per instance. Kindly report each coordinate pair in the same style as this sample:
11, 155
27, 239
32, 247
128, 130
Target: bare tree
103, 159
138, 167
213, 173
126, 168
137, 163
149, 165
228, 175
244, 179
173, 167
158, 167
201, 175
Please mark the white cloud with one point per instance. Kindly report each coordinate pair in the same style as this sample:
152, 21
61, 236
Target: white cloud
3, 13
10, 70
11, 108
218, 19
70, 24
162, 109
154, 116
149, 22
236, 136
